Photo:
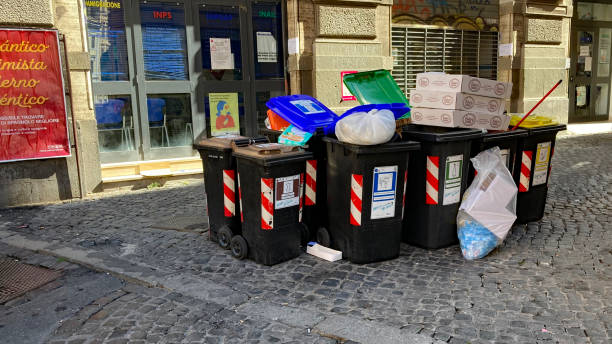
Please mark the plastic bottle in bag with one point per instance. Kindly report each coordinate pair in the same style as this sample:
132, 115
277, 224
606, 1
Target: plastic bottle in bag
488, 207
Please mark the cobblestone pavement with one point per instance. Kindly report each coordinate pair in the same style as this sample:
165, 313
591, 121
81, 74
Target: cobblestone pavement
549, 282
88, 306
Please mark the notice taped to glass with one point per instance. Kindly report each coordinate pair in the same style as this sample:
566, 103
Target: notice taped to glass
286, 192
33, 123
221, 56
266, 47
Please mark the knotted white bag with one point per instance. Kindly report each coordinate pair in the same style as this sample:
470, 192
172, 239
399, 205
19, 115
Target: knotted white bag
366, 128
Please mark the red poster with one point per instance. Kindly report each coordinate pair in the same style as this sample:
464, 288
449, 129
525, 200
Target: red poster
33, 121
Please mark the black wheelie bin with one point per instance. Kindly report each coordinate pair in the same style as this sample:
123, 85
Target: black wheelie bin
437, 178
366, 186
507, 141
533, 165
221, 186
270, 188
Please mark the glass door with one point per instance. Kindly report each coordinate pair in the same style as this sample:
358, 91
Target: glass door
582, 74
267, 55
112, 74
601, 78
590, 73
166, 72
163, 78
224, 77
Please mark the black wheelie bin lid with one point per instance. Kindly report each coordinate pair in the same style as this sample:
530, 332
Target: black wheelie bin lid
503, 135
389, 147
224, 143
270, 154
538, 124
439, 134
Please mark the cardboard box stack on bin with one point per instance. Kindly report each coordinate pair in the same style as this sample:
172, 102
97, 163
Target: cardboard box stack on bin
463, 101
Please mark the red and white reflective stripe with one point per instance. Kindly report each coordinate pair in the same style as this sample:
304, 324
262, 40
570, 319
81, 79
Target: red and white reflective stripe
525, 171
267, 203
301, 196
240, 199
311, 182
356, 194
404, 198
229, 193
431, 180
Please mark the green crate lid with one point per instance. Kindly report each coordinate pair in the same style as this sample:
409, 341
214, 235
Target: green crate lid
375, 87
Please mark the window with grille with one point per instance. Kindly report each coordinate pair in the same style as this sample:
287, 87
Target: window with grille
418, 50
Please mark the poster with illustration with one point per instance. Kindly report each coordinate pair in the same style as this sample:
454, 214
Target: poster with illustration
223, 113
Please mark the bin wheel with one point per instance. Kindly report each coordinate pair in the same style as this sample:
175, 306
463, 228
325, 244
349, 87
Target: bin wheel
239, 247
323, 237
224, 237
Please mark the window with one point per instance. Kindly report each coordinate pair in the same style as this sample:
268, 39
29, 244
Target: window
107, 42
163, 41
418, 50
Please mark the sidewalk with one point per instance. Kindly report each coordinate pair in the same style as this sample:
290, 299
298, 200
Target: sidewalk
550, 282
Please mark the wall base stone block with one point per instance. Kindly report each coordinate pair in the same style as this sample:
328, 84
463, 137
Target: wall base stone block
89, 156
38, 181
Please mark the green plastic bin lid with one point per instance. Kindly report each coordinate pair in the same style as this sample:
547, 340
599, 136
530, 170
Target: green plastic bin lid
375, 87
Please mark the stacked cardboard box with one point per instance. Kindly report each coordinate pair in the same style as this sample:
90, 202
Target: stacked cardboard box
448, 100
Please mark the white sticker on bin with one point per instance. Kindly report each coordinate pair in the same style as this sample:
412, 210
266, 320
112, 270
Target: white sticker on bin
542, 158
286, 192
307, 106
452, 179
384, 185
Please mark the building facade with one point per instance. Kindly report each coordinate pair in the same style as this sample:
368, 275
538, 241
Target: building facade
150, 77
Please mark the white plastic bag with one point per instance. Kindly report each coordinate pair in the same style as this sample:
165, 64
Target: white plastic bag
488, 207
366, 128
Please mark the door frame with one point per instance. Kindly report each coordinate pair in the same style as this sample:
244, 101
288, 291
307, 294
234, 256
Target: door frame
266, 85
203, 86
123, 88
249, 86
594, 26
137, 87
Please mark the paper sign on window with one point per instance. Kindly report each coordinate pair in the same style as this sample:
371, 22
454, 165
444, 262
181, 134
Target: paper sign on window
221, 56
266, 48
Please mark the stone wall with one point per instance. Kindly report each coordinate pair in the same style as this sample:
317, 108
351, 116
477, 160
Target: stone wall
337, 36
47, 180
540, 34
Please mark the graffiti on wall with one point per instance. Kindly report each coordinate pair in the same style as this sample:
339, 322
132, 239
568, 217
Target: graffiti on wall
459, 14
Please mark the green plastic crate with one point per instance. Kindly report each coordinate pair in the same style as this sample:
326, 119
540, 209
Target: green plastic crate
375, 87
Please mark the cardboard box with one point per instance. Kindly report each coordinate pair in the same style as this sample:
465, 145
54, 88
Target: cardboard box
463, 83
459, 118
456, 101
